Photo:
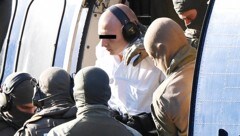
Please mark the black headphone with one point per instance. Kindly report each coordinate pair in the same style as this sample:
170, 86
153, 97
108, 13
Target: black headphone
7, 88
130, 30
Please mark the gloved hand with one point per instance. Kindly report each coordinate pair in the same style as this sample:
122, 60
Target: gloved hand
136, 48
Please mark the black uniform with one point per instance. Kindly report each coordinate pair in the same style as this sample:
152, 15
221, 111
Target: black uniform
5, 128
91, 94
52, 96
46, 119
17, 90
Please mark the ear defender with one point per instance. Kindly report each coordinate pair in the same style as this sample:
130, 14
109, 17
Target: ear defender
5, 102
130, 30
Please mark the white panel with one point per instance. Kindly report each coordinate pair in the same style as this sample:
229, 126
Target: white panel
217, 109
40, 35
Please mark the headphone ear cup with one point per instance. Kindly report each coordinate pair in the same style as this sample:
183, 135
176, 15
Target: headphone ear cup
130, 32
5, 102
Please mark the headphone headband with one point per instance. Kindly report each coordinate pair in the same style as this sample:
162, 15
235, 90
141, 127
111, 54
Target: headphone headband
121, 16
130, 30
7, 88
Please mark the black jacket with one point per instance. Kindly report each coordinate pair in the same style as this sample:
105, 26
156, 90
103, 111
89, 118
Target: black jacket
46, 119
5, 128
93, 120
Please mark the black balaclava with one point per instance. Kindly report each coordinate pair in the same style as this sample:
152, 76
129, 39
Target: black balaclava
198, 22
91, 87
21, 94
200, 6
55, 87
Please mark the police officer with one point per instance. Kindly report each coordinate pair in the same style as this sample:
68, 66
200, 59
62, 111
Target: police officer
176, 58
91, 93
192, 13
52, 96
15, 102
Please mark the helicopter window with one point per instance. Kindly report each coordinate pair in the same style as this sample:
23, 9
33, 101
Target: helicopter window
39, 36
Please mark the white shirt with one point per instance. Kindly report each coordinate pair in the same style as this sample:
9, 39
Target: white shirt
132, 87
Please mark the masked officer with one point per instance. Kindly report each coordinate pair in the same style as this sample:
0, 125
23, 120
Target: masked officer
52, 96
91, 93
192, 13
15, 102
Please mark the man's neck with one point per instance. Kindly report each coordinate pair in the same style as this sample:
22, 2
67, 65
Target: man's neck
120, 57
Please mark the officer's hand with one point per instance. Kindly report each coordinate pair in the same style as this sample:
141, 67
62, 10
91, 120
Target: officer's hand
135, 49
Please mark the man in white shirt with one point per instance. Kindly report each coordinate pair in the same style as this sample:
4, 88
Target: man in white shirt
132, 86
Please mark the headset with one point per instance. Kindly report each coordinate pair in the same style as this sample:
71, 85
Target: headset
130, 30
39, 96
7, 89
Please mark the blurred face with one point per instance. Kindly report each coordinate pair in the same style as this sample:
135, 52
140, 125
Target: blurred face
110, 34
188, 16
26, 108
